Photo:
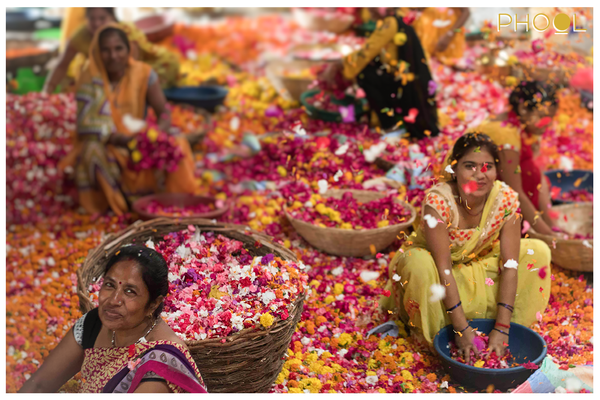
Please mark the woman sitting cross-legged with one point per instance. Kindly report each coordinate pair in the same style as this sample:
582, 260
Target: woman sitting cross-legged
123, 346
468, 249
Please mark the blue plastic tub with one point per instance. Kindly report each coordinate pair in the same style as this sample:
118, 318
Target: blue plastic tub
567, 180
206, 97
525, 346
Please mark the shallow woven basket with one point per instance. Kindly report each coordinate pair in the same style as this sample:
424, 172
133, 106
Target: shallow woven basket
346, 242
572, 254
248, 361
292, 88
313, 22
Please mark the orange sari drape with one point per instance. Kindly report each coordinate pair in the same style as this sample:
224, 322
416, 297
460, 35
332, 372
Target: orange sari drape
102, 173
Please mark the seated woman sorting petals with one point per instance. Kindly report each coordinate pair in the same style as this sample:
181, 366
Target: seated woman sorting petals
113, 87
467, 259
123, 346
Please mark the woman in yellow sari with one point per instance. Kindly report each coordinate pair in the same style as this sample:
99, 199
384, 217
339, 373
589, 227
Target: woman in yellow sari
113, 88
440, 30
164, 62
467, 259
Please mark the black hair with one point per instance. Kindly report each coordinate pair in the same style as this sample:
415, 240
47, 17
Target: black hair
532, 94
117, 31
474, 139
109, 10
154, 270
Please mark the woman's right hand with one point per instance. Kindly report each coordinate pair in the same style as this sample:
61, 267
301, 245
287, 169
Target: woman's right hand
465, 344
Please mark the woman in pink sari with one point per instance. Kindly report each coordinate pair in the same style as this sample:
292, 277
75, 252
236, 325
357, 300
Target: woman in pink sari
123, 346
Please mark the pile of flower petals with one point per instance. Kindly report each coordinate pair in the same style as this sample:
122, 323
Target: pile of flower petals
487, 359
156, 208
577, 195
154, 149
347, 212
214, 292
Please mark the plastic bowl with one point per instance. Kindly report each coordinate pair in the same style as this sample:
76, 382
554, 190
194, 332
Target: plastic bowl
360, 105
179, 200
156, 27
207, 97
525, 345
567, 180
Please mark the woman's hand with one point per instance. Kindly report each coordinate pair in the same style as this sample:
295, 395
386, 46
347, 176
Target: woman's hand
496, 343
444, 42
330, 72
465, 344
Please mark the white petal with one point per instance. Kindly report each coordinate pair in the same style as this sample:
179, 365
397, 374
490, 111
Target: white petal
449, 169
438, 292
530, 251
323, 185
447, 271
340, 151
367, 276
234, 124
396, 277
587, 244
431, 221
573, 384
511, 264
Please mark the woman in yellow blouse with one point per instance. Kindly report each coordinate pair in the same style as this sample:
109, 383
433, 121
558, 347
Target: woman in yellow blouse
163, 62
391, 68
440, 31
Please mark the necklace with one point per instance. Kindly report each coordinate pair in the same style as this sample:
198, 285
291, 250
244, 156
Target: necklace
140, 340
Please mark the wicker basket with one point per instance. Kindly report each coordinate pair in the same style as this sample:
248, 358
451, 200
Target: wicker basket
312, 22
557, 76
292, 88
572, 254
351, 243
248, 361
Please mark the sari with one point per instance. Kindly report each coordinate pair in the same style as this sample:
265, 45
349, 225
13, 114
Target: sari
476, 267
390, 68
121, 369
430, 34
163, 62
102, 174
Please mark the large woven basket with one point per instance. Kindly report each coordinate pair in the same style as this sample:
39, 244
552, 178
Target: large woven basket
572, 254
248, 361
292, 88
347, 242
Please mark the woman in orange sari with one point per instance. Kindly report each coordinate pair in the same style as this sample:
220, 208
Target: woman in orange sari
112, 89
441, 32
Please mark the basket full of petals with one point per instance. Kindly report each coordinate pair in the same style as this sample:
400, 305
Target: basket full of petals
177, 205
575, 251
291, 77
351, 223
246, 292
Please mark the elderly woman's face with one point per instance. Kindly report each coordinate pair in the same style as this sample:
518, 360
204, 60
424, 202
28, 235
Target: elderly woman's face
477, 166
114, 52
97, 18
124, 297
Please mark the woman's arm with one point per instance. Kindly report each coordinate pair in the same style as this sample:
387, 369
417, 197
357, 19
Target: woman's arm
158, 102
509, 162
510, 249
357, 61
61, 365
58, 73
460, 22
438, 244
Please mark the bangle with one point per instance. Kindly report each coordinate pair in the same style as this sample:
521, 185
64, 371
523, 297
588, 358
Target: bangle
452, 308
509, 308
500, 331
460, 332
503, 325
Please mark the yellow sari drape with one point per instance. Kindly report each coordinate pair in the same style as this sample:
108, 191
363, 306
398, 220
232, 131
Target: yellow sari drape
102, 172
475, 257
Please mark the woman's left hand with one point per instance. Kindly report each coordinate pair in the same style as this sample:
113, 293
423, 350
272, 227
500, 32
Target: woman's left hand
496, 343
444, 42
